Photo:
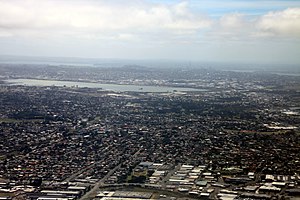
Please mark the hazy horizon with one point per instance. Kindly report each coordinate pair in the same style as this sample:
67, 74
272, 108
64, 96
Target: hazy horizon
148, 63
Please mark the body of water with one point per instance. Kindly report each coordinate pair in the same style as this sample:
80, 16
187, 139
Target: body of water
111, 87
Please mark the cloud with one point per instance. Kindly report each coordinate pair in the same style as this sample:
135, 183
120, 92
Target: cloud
232, 21
272, 25
138, 20
231, 27
97, 17
286, 22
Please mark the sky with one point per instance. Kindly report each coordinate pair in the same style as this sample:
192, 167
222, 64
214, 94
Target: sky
253, 31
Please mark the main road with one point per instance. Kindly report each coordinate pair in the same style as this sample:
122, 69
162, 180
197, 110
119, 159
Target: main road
93, 192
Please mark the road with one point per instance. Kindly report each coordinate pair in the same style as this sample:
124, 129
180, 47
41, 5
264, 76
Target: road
74, 176
167, 177
94, 190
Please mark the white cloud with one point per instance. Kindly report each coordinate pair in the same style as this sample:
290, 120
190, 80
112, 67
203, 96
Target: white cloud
232, 21
238, 26
104, 19
137, 28
231, 27
286, 22
96, 17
